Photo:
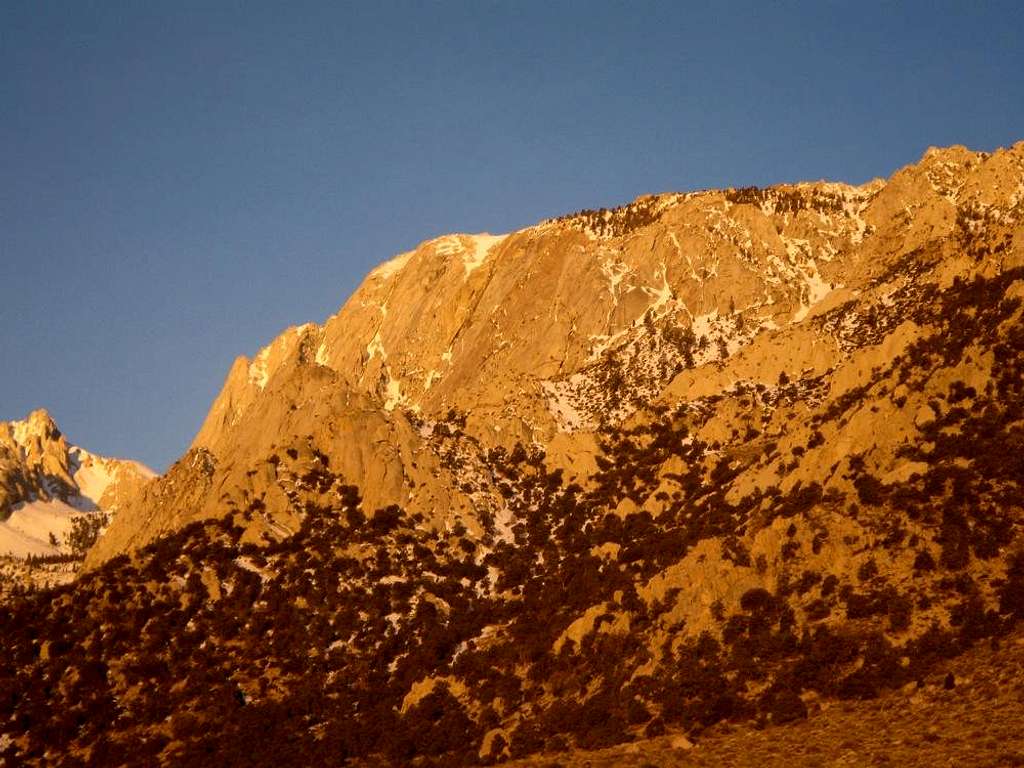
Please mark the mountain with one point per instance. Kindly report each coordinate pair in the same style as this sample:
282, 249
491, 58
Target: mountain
46, 484
717, 457
544, 335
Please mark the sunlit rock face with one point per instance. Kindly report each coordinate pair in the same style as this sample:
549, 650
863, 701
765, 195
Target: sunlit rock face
712, 456
548, 335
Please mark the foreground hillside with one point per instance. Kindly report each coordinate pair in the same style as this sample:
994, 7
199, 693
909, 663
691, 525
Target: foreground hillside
719, 458
967, 713
367, 638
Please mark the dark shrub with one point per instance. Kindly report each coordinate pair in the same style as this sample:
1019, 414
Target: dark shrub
900, 612
924, 562
757, 600
867, 570
1011, 593
786, 707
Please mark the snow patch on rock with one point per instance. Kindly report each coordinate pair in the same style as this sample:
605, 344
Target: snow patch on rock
27, 531
376, 348
258, 371
392, 267
480, 246
322, 353
814, 290
393, 394
614, 272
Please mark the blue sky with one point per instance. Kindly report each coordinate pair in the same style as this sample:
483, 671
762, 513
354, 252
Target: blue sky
180, 181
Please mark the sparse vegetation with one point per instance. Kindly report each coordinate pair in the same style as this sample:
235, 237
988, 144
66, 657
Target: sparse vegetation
733, 555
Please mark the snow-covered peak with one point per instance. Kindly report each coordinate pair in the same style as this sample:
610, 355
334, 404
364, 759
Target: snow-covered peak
45, 482
95, 474
38, 425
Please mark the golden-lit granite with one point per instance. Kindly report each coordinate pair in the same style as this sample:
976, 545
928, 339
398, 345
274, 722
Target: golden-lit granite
744, 456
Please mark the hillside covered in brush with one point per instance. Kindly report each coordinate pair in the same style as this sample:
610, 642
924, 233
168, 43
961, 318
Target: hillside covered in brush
710, 457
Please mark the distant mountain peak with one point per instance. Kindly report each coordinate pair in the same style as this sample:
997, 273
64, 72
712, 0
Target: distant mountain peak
45, 481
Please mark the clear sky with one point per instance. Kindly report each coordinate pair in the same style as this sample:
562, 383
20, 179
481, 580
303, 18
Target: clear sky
180, 181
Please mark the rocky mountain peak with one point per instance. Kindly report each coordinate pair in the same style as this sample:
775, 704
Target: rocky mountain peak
45, 481
34, 456
35, 432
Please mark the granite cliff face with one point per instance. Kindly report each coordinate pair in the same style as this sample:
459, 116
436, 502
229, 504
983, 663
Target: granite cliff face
544, 336
707, 457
